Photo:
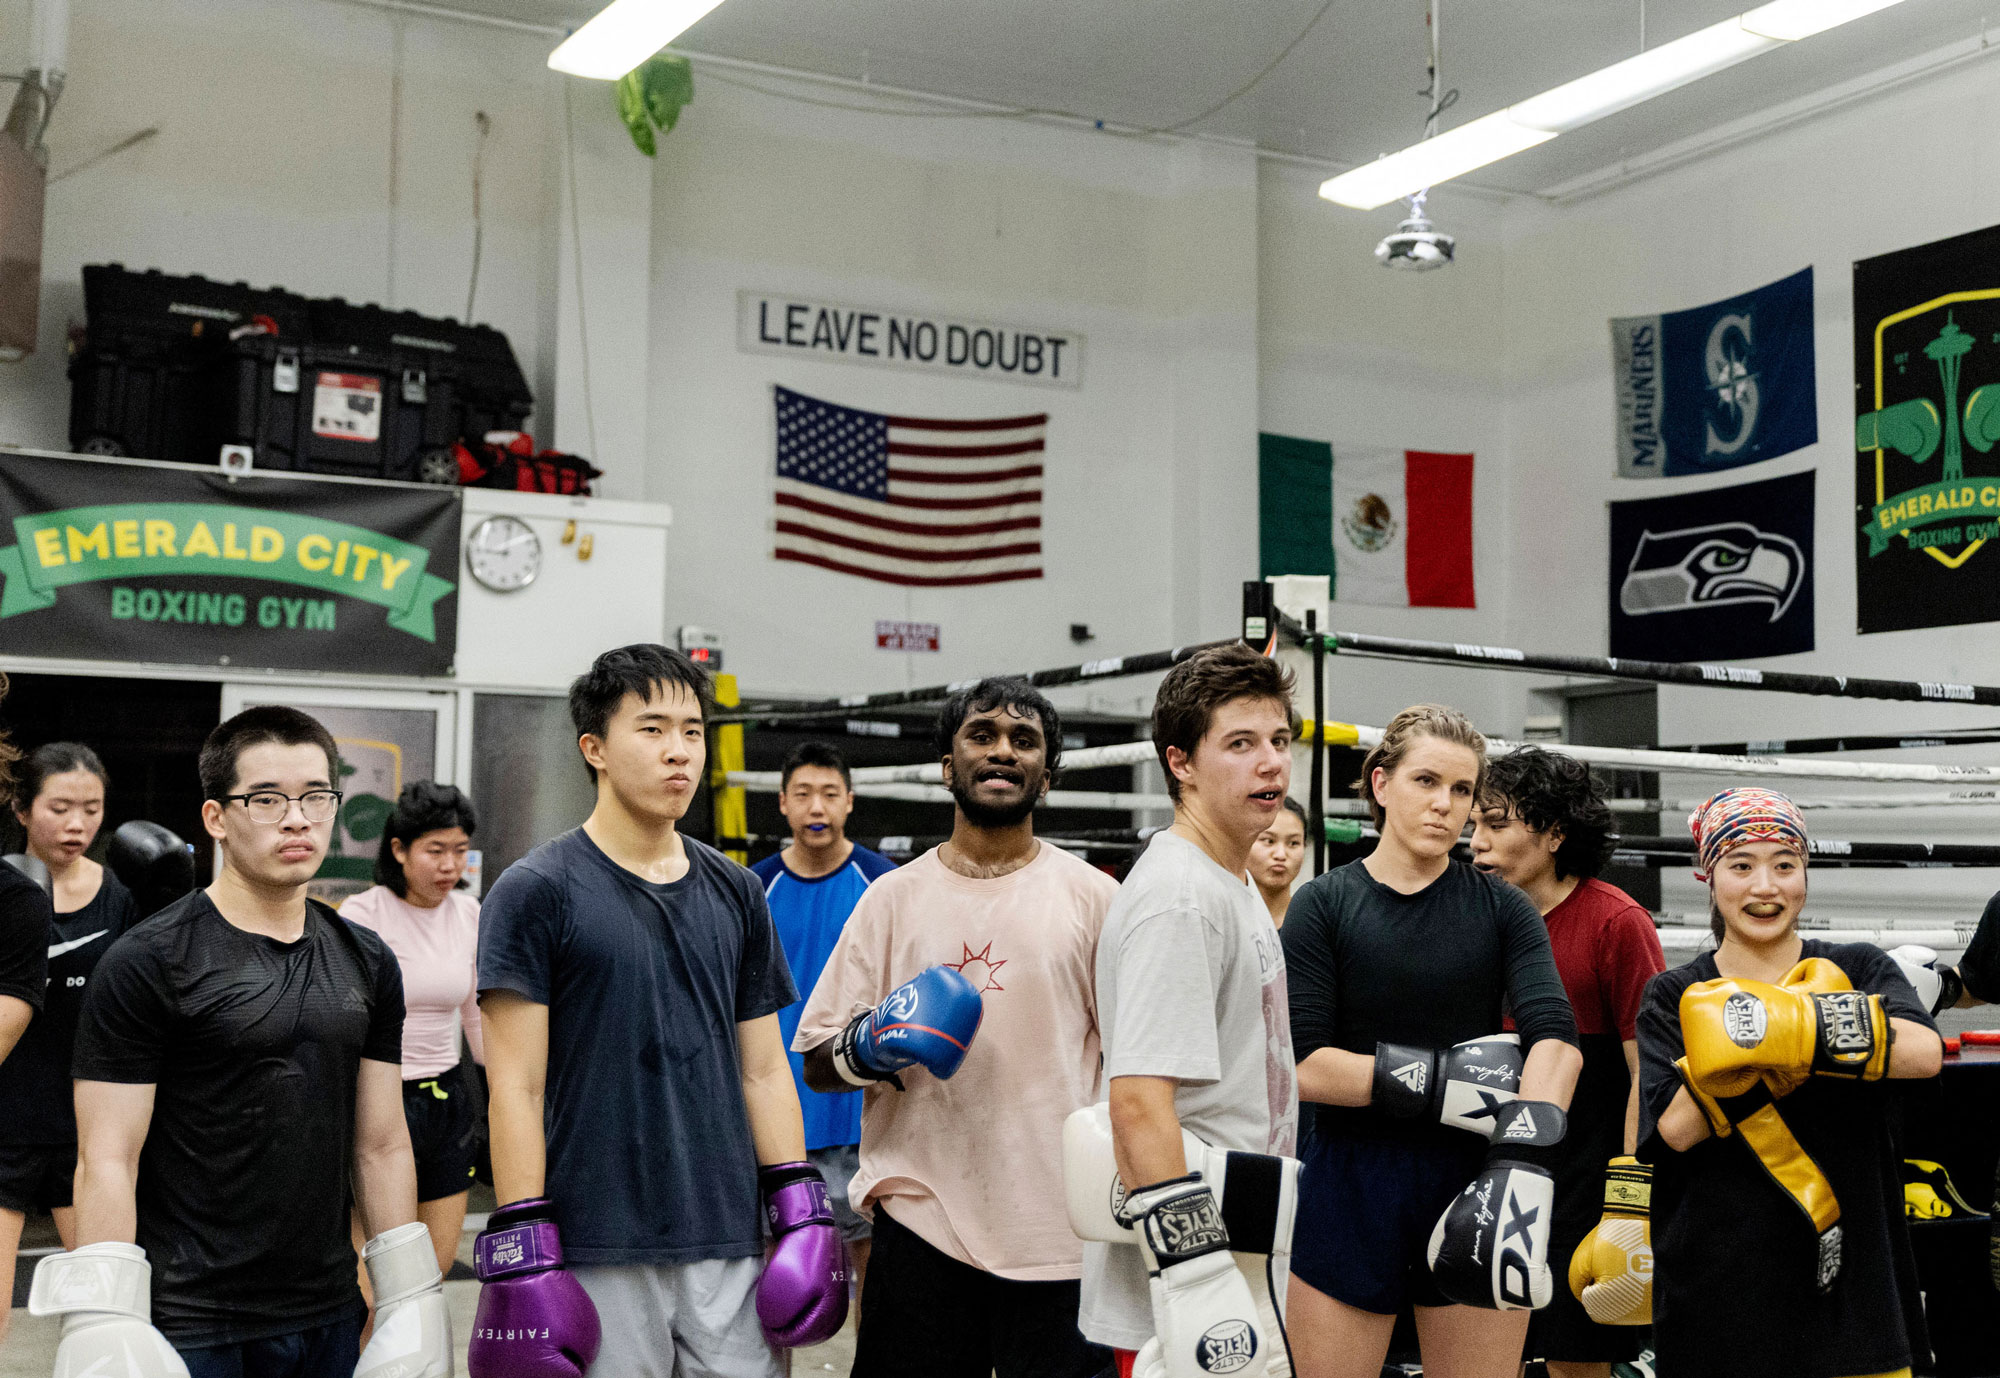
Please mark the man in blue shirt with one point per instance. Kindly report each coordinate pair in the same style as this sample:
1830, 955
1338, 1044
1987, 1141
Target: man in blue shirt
811, 887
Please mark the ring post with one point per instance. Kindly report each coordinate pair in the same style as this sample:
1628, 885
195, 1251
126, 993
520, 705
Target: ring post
1316, 808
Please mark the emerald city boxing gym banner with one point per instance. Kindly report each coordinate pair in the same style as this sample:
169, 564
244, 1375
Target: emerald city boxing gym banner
177, 564
1926, 420
1716, 386
1724, 574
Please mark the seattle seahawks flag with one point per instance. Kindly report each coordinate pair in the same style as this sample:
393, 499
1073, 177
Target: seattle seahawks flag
1716, 387
1724, 574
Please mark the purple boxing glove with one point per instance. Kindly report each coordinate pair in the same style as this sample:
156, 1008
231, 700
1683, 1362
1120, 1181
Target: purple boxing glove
802, 1296
534, 1319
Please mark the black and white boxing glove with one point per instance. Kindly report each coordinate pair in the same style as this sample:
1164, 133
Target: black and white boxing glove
1463, 1086
1937, 984
1204, 1317
1491, 1246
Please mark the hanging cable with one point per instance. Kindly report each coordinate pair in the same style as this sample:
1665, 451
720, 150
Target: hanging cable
576, 258
484, 125
1247, 87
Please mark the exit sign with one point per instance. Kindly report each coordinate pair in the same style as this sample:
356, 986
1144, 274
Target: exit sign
906, 636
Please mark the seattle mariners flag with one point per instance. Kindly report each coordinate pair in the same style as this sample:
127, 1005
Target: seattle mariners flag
1718, 386
908, 499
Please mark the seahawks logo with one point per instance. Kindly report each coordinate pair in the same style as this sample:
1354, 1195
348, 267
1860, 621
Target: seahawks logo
1712, 566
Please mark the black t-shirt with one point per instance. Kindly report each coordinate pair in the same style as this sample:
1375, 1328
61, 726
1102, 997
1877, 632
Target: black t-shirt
24, 938
36, 1102
1734, 1292
253, 1046
1980, 967
649, 1151
1367, 964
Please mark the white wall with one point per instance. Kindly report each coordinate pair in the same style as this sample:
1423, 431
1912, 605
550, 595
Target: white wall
320, 146
328, 147
1150, 250
1903, 169
1352, 353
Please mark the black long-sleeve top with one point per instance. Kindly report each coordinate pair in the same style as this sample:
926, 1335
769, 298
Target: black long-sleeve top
1366, 964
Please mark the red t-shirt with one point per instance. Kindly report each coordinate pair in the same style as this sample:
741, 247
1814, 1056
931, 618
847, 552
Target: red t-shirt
1606, 949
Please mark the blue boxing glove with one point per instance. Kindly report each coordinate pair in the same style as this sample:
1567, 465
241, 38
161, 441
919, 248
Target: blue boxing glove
928, 1022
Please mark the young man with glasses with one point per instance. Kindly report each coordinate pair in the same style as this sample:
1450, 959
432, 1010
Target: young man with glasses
237, 1077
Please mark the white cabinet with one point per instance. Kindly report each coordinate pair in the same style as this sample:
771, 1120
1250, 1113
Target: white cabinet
602, 583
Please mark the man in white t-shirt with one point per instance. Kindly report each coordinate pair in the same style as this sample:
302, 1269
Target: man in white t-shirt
974, 1268
1191, 999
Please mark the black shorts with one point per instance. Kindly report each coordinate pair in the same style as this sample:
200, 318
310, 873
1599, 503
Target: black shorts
443, 1131
924, 1314
1366, 1212
36, 1177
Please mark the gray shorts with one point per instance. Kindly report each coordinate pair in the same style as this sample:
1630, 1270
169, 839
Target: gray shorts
838, 1163
708, 1310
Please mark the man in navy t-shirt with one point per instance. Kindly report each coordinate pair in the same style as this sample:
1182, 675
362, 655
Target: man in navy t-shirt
812, 886
640, 1097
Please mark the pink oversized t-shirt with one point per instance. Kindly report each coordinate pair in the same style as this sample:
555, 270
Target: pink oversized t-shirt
973, 1165
438, 950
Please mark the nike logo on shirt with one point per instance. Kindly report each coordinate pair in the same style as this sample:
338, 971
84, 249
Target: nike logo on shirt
57, 949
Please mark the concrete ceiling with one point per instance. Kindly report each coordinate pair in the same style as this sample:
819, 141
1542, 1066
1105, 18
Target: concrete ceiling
1348, 92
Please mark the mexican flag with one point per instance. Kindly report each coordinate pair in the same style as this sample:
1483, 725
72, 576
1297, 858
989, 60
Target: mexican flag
1391, 527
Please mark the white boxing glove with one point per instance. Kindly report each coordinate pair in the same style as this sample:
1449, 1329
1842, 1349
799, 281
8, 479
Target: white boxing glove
1937, 985
1205, 1318
412, 1336
103, 1292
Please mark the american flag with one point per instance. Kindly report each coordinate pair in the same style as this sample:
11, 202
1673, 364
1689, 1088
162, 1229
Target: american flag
908, 500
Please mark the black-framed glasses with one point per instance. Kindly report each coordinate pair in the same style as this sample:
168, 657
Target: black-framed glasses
269, 806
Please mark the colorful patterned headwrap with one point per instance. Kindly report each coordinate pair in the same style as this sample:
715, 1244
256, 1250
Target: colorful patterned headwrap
1736, 816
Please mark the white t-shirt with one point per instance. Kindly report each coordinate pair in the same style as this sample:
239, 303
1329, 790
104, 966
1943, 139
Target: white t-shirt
438, 950
1190, 985
973, 1165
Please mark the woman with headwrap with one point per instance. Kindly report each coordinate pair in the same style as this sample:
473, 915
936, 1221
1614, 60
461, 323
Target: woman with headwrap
1778, 1229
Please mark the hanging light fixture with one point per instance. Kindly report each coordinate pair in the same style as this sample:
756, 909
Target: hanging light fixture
1577, 103
624, 34
1417, 245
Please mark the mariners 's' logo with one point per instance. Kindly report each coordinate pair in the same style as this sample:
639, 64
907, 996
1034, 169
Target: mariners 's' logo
1712, 566
1370, 523
1728, 360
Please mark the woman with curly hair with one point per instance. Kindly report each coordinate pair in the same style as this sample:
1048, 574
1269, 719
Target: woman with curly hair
1541, 825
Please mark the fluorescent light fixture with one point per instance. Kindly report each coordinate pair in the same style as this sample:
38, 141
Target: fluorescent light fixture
1577, 103
1652, 73
624, 34
1450, 154
1792, 20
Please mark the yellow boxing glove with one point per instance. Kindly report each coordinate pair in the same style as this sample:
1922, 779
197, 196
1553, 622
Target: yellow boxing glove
1737, 1031
1611, 1272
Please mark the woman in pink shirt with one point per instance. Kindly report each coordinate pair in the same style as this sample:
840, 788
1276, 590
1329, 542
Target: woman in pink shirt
432, 926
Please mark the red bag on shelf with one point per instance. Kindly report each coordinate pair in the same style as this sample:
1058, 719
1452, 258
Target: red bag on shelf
508, 459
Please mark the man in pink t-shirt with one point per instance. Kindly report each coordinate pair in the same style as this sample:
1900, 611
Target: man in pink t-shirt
975, 1267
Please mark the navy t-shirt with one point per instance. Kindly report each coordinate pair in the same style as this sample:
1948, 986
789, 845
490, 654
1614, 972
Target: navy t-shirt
811, 913
649, 1151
